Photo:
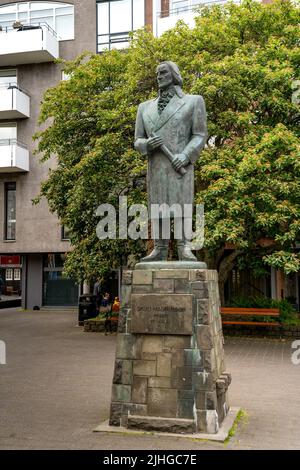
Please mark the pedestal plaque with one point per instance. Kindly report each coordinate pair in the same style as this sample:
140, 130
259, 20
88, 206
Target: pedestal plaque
169, 369
164, 314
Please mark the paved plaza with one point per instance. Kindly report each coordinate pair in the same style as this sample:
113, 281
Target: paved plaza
55, 389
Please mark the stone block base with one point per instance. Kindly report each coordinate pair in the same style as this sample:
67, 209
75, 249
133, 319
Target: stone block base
169, 368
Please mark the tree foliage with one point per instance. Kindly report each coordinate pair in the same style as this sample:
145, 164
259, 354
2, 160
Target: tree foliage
244, 60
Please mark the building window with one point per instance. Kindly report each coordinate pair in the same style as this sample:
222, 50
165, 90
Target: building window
177, 6
8, 133
9, 274
115, 19
65, 233
65, 76
8, 77
17, 274
10, 211
59, 16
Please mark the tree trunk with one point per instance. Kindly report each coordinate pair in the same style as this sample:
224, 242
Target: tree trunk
226, 265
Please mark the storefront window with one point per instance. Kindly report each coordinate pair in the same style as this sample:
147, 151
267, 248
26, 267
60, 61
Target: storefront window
58, 289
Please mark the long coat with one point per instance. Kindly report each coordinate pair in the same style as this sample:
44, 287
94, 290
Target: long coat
182, 126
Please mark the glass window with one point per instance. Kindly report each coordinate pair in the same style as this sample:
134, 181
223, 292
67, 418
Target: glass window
10, 211
59, 16
65, 26
103, 21
138, 14
8, 76
65, 233
9, 274
115, 19
120, 16
17, 274
8, 131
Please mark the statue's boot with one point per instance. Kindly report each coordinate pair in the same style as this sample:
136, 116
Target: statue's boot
159, 253
184, 251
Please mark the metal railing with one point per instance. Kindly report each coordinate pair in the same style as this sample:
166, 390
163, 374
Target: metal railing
11, 142
27, 27
12, 86
185, 8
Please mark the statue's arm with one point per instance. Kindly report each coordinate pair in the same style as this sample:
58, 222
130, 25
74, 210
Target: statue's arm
140, 138
199, 131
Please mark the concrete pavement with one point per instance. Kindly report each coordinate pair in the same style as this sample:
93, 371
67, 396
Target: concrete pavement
55, 389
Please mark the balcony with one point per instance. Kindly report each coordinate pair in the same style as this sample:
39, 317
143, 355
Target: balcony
14, 156
28, 44
185, 10
14, 102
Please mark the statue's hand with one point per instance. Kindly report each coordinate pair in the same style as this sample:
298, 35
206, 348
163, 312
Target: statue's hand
154, 143
180, 161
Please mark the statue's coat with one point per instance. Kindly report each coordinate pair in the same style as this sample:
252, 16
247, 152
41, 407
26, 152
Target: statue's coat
182, 126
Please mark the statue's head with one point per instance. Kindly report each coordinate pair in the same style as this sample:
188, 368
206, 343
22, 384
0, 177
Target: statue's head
167, 73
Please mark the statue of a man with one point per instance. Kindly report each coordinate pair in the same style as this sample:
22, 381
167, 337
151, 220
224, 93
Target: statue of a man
171, 131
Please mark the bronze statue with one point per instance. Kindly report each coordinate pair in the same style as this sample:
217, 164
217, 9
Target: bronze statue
171, 131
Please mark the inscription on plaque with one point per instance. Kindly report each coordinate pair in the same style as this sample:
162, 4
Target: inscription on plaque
162, 314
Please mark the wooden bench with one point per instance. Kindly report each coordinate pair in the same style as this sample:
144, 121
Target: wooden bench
253, 312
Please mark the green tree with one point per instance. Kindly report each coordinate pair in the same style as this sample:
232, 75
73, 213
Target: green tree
244, 59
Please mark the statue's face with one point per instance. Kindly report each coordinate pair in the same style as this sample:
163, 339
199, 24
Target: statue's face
164, 76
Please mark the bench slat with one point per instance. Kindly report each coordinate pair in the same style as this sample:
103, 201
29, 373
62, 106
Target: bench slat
272, 312
256, 323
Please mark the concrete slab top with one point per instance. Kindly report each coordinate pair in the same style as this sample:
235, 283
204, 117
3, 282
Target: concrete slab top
220, 436
171, 265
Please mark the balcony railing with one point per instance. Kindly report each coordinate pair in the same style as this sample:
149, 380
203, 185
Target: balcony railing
28, 44
14, 102
182, 9
27, 27
14, 156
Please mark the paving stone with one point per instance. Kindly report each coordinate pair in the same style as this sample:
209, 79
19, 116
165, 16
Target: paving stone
115, 414
178, 426
204, 336
139, 389
137, 289
141, 276
182, 286
198, 274
128, 346
159, 382
185, 409
147, 368
162, 402
121, 393
163, 285
177, 342
172, 274
164, 365
207, 421
152, 344
204, 381
182, 378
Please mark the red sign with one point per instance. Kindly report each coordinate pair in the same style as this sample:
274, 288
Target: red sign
9, 260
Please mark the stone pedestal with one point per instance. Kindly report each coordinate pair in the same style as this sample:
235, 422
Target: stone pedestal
169, 369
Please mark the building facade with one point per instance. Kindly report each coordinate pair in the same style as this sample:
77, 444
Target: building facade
32, 35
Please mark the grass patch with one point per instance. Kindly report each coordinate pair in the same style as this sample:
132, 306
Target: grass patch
241, 416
